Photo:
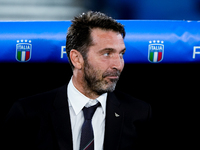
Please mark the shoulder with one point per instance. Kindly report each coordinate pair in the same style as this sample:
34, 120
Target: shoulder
127, 99
40, 97
39, 102
133, 106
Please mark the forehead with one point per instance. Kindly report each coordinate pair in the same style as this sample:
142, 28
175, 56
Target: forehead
106, 38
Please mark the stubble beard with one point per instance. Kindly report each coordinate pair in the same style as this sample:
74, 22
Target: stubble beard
96, 81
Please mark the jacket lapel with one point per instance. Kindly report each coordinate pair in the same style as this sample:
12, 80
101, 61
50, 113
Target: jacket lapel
61, 120
62, 125
114, 123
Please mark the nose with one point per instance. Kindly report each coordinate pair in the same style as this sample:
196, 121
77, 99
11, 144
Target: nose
118, 62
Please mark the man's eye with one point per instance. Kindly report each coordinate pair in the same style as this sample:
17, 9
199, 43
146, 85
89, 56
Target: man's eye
106, 54
122, 54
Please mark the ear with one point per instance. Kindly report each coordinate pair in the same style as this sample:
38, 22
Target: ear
76, 58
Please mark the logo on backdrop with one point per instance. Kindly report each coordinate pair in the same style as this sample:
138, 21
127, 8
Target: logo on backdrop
155, 51
23, 50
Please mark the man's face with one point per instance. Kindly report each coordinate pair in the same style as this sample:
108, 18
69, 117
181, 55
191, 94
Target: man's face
105, 61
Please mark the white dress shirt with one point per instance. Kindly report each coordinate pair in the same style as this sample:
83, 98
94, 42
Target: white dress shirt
76, 102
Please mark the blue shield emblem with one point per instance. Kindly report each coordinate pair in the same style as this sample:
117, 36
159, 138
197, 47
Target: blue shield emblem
155, 51
23, 51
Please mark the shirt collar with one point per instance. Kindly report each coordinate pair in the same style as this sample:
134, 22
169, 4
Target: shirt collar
77, 100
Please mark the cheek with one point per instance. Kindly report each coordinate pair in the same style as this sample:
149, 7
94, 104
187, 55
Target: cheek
98, 64
122, 65
93, 69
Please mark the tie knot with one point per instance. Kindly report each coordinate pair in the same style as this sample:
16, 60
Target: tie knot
89, 112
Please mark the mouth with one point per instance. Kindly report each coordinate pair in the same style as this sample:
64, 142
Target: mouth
112, 77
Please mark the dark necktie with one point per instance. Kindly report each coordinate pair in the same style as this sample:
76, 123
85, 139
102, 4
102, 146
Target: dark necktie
87, 136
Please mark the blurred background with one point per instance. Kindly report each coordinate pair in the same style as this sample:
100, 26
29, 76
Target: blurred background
118, 9
174, 95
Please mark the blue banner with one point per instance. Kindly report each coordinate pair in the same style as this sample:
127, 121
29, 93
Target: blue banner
146, 41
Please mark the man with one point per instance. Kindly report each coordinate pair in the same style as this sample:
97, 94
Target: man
56, 119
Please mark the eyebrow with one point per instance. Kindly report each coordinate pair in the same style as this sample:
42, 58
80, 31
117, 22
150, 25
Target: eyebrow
123, 50
111, 49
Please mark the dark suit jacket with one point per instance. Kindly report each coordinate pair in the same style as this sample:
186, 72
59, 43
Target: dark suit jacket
42, 122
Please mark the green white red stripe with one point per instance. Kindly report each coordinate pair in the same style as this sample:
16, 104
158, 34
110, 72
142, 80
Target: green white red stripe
155, 56
88, 146
23, 55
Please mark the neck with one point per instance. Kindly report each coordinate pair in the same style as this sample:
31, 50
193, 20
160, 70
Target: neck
81, 85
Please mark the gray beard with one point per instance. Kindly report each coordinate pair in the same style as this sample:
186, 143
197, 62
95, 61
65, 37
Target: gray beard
99, 86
